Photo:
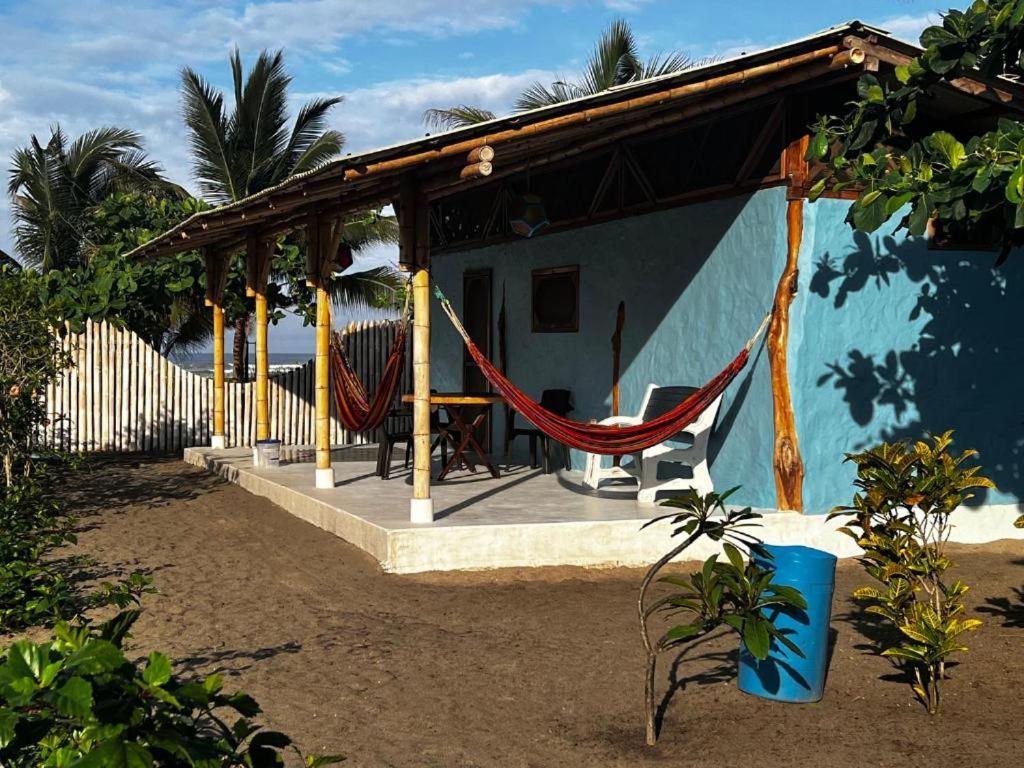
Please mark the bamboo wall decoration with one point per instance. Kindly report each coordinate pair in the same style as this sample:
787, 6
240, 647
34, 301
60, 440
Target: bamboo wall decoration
122, 396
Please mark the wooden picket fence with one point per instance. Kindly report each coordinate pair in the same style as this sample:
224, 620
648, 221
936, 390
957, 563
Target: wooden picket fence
121, 395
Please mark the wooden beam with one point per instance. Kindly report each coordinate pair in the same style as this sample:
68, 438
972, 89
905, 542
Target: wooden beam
786, 460
969, 85
330, 181
406, 212
669, 117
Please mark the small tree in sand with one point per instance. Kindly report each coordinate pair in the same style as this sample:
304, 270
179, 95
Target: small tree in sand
733, 593
900, 518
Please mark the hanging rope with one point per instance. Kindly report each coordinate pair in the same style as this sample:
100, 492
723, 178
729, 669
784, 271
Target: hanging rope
600, 438
357, 411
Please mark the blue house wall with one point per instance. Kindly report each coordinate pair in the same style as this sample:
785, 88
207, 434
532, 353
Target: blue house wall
893, 340
697, 280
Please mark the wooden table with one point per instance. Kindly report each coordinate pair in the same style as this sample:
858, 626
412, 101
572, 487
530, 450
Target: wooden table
455, 404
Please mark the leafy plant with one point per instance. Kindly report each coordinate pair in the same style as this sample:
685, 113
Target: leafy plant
30, 358
878, 147
900, 518
732, 593
78, 700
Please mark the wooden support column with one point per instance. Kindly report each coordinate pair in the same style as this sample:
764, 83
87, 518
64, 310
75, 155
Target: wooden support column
788, 465
317, 244
216, 275
258, 255
414, 227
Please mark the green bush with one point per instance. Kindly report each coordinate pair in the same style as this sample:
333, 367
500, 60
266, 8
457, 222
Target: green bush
734, 593
900, 518
30, 358
77, 700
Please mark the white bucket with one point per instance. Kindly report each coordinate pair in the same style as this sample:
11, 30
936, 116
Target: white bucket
267, 454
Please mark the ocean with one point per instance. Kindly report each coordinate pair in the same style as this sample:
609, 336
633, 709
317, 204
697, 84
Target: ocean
202, 362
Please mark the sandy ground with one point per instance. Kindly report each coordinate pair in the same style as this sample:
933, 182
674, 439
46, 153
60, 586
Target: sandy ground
511, 668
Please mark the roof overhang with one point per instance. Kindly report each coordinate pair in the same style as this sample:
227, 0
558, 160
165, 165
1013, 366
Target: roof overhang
451, 161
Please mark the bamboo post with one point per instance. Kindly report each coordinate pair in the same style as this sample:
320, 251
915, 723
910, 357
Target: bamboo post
786, 460
216, 272
324, 471
258, 254
415, 250
318, 238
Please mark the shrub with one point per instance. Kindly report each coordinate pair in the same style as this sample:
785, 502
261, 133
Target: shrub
900, 518
78, 700
30, 358
734, 593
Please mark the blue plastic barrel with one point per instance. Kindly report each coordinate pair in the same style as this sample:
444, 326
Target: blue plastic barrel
784, 676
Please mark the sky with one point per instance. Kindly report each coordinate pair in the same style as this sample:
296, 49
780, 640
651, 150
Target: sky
90, 63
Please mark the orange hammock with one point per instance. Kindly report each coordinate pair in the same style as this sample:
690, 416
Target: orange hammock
357, 411
600, 438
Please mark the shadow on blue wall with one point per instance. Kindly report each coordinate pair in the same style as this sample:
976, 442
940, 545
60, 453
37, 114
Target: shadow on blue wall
963, 370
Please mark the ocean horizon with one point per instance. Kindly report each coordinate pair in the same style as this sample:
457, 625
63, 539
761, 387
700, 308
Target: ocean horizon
202, 362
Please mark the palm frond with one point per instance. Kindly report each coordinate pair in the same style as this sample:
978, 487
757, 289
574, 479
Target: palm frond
614, 59
310, 129
370, 229
456, 117
191, 326
539, 95
324, 148
669, 63
261, 120
94, 147
377, 287
212, 156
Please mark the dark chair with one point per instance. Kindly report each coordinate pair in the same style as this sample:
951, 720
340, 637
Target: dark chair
397, 428
557, 401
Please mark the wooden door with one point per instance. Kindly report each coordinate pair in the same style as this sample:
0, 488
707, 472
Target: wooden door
476, 316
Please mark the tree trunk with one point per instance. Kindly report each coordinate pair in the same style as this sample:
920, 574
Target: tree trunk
240, 351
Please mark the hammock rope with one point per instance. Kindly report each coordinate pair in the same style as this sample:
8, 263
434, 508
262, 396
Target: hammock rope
357, 410
601, 438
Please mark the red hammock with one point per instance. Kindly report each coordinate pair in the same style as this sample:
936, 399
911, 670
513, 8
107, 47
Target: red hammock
356, 410
600, 438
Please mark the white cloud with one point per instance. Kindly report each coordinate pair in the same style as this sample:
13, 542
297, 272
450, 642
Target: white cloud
909, 27
390, 112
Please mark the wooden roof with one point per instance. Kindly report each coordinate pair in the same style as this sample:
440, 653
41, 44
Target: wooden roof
451, 162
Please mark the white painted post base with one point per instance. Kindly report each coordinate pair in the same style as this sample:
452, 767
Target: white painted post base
218, 443
421, 510
325, 478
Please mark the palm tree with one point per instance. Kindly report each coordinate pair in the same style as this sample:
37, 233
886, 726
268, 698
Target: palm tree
53, 188
243, 151
614, 61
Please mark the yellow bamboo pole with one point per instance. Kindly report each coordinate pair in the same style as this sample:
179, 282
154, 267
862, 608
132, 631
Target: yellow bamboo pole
421, 509
217, 439
262, 369
324, 471
422, 506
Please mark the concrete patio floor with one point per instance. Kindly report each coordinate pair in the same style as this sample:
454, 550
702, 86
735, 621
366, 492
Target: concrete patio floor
523, 518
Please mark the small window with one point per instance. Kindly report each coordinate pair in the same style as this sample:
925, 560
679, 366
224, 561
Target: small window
556, 300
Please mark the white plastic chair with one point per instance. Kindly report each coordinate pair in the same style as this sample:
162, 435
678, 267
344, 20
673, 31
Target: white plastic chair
644, 469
